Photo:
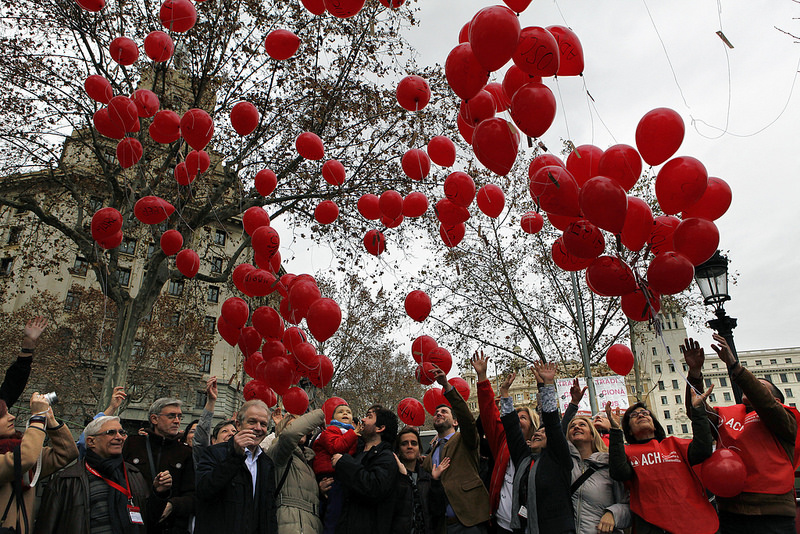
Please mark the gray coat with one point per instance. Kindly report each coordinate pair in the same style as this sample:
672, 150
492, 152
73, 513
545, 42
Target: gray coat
598, 494
298, 500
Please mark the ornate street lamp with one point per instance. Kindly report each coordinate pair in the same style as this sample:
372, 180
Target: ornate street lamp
712, 278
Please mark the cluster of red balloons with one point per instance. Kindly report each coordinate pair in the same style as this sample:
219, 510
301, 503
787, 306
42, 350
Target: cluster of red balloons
588, 196
344, 9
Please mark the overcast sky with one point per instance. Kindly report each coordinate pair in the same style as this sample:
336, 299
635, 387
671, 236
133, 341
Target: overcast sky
628, 73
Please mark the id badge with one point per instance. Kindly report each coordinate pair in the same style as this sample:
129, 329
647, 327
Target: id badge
523, 512
135, 515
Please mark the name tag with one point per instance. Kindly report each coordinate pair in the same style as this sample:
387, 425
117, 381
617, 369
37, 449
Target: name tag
523, 512
135, 515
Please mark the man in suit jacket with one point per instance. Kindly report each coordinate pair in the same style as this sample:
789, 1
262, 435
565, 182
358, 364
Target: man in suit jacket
467, 498
236, 480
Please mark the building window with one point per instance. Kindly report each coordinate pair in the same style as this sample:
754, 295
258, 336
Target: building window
669, 352
669, 429
758, 362
80, 267
13, 235
677, 399
726, 396
72, 301
685, 367
788, 360
789, 394
715, 366
6, 266
205, 361
680, 348
213, 294
708, 383
784, 378
209, 324
123, 276
657, 368
723, 381
797, 376
713, 397
744, 363
654, 351
674, 384
151, 249
175, 288
664, 399
661, 385
773, 362
671, 366
200, 399
666, 414
219, 237
768, 377
216, 264
128, 246
519, 397
684, 428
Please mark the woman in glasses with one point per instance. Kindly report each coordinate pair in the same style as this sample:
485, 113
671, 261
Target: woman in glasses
102, 493
666, 494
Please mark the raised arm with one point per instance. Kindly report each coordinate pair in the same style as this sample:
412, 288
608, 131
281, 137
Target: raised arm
18, 372
517, 446
618, 465
701, 446
694, 355
556, 440
576, 393
284, 445
490, 416
466, 422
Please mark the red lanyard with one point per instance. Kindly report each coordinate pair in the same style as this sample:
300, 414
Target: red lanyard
125, 491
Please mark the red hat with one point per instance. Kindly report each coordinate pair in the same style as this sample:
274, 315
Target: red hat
330, 405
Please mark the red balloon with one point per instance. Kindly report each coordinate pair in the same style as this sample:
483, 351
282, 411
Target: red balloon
244, 118
604, 203
714, 203
570, 51
459, 188
442, 151
188, 262
254, 218
197, 161
478, 108
496, 143
620, 359
305, 354
322, 375
197, 128
491, 200
123, 112
584, 240
463, 33
238, 276
166, 127
415, 204
259, 283
374, 242
584, 163
421, 348
465, 129
228, 332
545, 160
251, 363
309, 146
680, 183
533, 109
392, 223
670, 273
106, 222
266, 182
640, 306
158, 46
295, 400
112, 241
638, 224
369, 207
129, 152
413, 93
434, 398
561, 222
302, 295
268, 322
293, 338
124, 51
411, 412
333, 172
344, 8
178, 16
423, 373
556, 191
461, 386
493, 34
660, 240
316, 7
610, 276
416, 164
278, 374
257, 389
452, 234
514, 79
621, 163
265, 240
392, 4
98, 88
152, 210
281, 44
465, 75
517, 5
441, 358
91, 5
146, 101
537, 52
724, 473
326, 212
418, 305
501, 101
696, 239
323, 318
531, 222
659, 135
171, 242
236, 312
449, 213
105, 126
391, 204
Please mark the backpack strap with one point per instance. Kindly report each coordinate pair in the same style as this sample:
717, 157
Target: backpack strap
16, 493
583, 478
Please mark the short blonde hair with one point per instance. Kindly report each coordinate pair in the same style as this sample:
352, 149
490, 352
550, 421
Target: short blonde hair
598, 445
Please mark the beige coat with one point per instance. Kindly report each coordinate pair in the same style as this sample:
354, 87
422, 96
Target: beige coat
62, 452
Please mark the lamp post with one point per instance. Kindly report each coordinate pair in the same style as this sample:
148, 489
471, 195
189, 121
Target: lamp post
712, 278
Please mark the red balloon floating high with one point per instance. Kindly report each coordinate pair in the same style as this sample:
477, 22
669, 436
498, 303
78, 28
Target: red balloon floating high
188, 262
281, 44
620, 359
374, 242
465, 75
309, 146
491, 200
494, 33
244, 118
413, 93
496, 144
171, 242
659, 135
197, 128
533, 109
158, 46
442, 151
537, 52
178, 15
124, 51
570, 50
98, 88
411, 412
418, 305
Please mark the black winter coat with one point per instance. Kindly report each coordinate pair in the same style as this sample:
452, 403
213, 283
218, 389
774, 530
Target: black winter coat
225, 501
370, 482
432, 498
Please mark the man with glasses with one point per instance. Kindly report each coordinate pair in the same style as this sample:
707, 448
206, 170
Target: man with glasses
102, 493
159, 452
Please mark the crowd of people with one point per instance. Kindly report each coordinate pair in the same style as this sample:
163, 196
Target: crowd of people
510, 470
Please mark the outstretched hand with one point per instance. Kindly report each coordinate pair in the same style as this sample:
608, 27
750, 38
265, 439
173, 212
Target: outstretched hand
611, 418
700, 399
441, 378
506, 383
576, 392
694, 356
33, 329
723, 350
439, 468
545, 372
480, 363
211, 388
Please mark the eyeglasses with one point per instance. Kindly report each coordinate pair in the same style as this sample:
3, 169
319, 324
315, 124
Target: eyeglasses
113, 432
640, 413
171, 416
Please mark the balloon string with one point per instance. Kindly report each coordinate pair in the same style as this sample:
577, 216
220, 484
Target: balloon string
666, 54
563, 109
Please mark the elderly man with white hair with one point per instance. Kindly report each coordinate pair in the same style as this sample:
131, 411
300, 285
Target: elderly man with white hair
102, 493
